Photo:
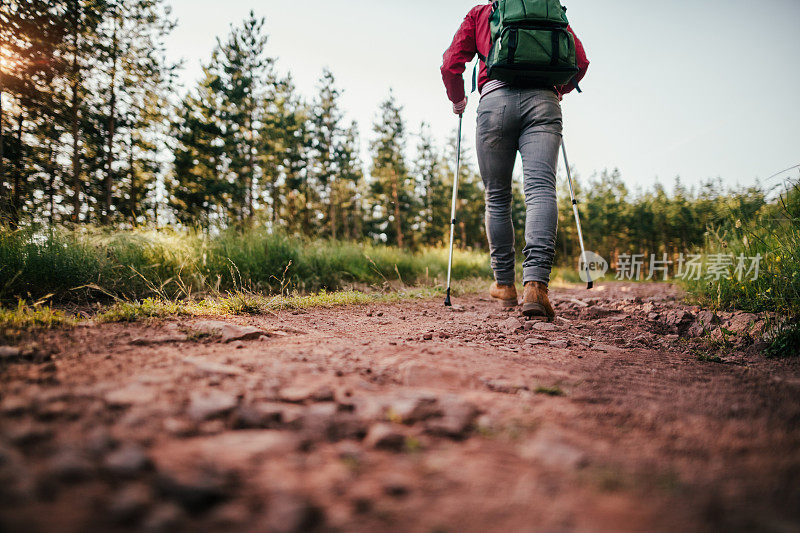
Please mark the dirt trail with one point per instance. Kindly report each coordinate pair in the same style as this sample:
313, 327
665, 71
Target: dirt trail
407, 417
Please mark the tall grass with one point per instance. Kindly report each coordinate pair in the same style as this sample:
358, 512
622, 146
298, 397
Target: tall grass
85, 264
773, 234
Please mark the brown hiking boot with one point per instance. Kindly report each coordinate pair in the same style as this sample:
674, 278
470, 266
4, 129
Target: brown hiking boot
536, 303
506, 294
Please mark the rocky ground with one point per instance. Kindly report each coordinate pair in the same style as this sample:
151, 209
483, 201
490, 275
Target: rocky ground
631, 412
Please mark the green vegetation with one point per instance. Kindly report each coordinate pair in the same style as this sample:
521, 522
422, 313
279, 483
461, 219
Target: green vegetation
74, 266
550, 391
244, 303
24, 317
773, 233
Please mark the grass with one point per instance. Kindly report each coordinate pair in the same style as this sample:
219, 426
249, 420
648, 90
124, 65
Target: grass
774, 235
24, 318
550, 391
247, 303
87, 264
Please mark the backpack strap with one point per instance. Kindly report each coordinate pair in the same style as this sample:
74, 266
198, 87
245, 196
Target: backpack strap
476, 70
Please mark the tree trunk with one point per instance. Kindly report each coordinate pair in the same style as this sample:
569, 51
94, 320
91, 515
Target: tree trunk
306, 213
134, 192
75, 104
345, 222
272, 190
112, 123
251, 165
51, 183
397, 224
332, 215
16, 193
2, 165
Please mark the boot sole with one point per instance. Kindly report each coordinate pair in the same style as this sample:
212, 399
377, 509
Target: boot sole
506, 303
535, 310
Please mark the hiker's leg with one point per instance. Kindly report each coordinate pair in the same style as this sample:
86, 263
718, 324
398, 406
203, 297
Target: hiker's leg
539, 142
497, 136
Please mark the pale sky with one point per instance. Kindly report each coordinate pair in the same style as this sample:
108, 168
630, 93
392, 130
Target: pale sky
697, 89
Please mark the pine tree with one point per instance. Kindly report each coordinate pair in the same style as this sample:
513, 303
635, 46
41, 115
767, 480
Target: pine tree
30, 32
245, 78
391, 189
198, 189
287, 129
431, 182
347, 192
325, 135
470, 208
135, 81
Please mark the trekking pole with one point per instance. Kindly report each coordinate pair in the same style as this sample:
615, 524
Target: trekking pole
447, 302
577, 215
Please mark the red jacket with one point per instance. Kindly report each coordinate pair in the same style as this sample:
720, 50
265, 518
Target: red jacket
474, 37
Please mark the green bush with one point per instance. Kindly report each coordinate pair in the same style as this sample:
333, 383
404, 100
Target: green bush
90, 263
774, 235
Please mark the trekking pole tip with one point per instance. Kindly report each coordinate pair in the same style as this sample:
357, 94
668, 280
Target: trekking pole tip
447, 302
591, 285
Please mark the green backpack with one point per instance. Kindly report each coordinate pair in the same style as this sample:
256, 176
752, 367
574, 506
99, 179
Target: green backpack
531, 46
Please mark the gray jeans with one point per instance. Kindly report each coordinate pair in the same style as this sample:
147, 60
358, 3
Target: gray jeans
528, 121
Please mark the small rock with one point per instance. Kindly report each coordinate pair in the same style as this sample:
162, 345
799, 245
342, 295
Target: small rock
152, 341
708, 318
553, 450
99, 441
533, 341
456, 421
131, 395
397, 486
228, 332
230, 515
578, 303
596, 312
559, 344
544, 326
164, 518
504, 386
17, 482
741, 323
313, 393
679, 318
179, 427
14, 406
561, 321
214, 368
414, 408
196, 490
130, 504
10, 354
292, 513
511, 325
128, 461
317, 420
258, 416
427, 337
211, 404
346, 426
70, 465
27, 434
385, 437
